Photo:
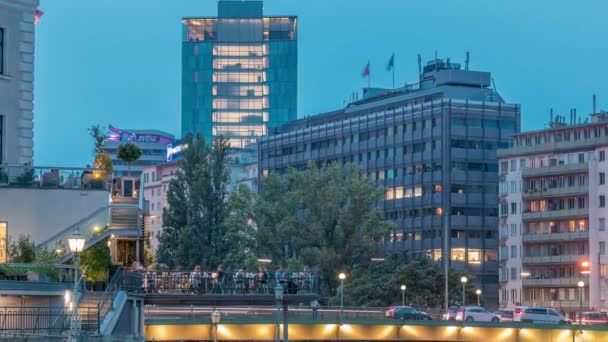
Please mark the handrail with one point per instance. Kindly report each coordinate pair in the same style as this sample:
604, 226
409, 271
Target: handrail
109, 294
73, 225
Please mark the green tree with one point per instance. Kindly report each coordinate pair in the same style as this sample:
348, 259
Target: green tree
23, 250
379, 283
97, 259
326, 216
239, 242
193, 224
128, 153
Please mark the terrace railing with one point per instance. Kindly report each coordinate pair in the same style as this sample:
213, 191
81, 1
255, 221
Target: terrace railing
45, 177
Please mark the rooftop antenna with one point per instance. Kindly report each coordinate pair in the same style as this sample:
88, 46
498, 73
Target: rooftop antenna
594, 103
551, 115
467, 60
419, 65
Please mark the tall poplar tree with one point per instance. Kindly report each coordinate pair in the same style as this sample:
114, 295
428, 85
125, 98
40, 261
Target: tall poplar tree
193, 222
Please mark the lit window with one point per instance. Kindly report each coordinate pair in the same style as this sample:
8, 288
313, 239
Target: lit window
418, 191
390, 194
438, 211
3, 242
458, 254
474, 256
398, 192
438, 188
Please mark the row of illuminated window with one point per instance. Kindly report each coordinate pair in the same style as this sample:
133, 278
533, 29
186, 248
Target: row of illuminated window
239, 90
240, 77
241, 143
483, 123
240, 117
246, 103
557, 136
555, 294
548, 205
401, 192
249, 130
240, 50
470, 255
558, 226
241, 63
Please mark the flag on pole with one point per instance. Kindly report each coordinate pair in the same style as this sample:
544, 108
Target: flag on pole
38, 14
391, 63
366, 70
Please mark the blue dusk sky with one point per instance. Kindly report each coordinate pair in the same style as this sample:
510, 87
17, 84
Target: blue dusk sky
118, 62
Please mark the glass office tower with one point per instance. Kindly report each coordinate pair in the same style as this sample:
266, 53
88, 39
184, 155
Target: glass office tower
239, 73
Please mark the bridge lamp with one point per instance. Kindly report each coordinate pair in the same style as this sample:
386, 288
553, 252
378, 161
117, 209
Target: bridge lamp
403, 288
278, 297
478, 293
76, 245
581, 285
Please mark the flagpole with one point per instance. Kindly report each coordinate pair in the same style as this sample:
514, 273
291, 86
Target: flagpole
369, 76
393, 70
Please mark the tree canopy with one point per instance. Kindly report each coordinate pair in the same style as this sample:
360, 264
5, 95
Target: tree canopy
128, 153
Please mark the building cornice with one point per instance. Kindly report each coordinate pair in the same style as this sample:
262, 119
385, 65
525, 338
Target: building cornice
25, 5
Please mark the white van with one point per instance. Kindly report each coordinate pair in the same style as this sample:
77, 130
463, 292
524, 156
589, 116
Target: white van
538, 315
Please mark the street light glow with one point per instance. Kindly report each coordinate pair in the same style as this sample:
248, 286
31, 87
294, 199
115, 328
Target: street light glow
403, 287
342, 276
478, 292
464, 280
581, 284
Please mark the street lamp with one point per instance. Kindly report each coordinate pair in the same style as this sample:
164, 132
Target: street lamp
478, 293
403, 288
76, 245
581, 285
215, 320
341, 276
278, 298
463, 280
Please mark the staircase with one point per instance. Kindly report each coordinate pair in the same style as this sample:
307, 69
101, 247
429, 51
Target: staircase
124, 217
89, 311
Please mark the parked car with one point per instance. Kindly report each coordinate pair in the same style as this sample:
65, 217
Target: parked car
406, 313
476, 314
391, 310
505, 315
538, 315
424, 315
450, 315
592, 318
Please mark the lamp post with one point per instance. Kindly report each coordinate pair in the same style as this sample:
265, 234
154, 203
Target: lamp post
215, 320
76, 244
478, 293
403, 288
341, 276
278, 298
581, 285
463, 280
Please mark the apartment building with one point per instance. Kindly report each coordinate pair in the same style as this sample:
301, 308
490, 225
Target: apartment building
553, 216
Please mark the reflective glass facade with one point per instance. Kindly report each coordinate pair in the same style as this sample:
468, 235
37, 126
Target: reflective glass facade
239, 73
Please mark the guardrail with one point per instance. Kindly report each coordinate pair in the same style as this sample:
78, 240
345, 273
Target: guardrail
234, 283
107, 300
49, 177
53, 321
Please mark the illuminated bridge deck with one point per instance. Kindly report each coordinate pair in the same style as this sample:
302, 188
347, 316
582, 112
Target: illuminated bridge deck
370, 330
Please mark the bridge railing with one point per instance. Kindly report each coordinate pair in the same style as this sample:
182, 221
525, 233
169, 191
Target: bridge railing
228, 283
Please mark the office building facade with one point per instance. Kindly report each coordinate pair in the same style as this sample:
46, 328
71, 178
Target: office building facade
17, 81
239, 73
432, 146
153, 144
553, 216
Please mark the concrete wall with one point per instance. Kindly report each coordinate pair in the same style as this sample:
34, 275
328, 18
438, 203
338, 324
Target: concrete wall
44, 212
17, 80
32, 301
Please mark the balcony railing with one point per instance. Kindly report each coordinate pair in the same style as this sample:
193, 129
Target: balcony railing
555, 214
547, 237
551, 282
553, 259
555, 192
555, 170
555, 147
43, 177
235, 283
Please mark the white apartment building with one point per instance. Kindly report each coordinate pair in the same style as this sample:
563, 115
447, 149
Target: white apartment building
17, 81
553, 214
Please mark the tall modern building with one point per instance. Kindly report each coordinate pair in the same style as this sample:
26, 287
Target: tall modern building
17, 19
553, 215
239, 73
432, 146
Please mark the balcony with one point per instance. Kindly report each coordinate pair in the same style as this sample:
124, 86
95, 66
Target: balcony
550, 237
557, 304
553, 259
43, 177
555, 170
555, 192
552, 282
555, 214
555, 147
